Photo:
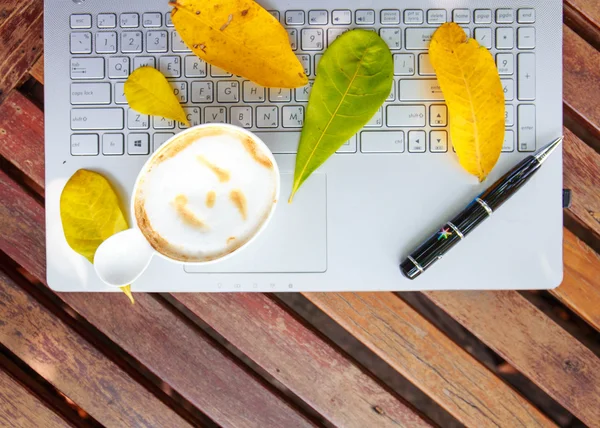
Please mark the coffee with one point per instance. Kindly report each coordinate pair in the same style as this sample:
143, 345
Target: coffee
206, 193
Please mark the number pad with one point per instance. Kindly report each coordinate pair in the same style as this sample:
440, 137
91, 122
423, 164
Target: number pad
157, 41
106, 42
131, 42
312, 39
505, 64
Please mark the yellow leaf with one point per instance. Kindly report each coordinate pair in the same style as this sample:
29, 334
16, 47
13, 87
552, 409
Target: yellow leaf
240, 37
149, 92
90, 213
127, 291
469, 79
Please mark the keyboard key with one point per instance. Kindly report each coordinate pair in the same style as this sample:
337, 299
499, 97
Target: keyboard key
436, 16
294, 17
390, 17
526, 77
405, 116
509, 115
228, 91
312, 39
526, 126
509, 141
169, 20
157, 41
392, 95
131, 41
215, 115
505, 38
267, 117
137, 120
420, 90
293, 36
364, 17
87, 68
438, 141
404, 64
334, 33
120, 93
274, 14
193, 116
382, 141
303, 93
113, 144
202, 92
84, 145
163, 123
152, 20
438, 115
280, 142
412, 16
461, 16
178, 43
425, 67
526, 38
194, 67
161, 138
484, 37
107, 20
505, 16
341, 17
241, 116
508, 87
130, 20
417, 141
106, 42
170, 66
138, 144
81, 21
526, 16
317, 59
280, 95
253, 93
392, 36
377, 119
349, 146
505, 64
90, 93
219, 72
318, 17
144, 61
418, 38
81, 43
305, 61
96, 118
180, 91
118, 67
483, 16
292, 116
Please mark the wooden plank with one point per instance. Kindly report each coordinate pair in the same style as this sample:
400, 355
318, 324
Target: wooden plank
22, 135
37, 71
426, 357
21, 409
73, 366
299, 359
589, 9
580, 289
21, 42
157, 338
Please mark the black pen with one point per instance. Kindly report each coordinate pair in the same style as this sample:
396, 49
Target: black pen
476, 212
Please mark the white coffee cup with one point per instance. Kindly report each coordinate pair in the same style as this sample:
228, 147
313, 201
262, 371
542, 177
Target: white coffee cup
122, 258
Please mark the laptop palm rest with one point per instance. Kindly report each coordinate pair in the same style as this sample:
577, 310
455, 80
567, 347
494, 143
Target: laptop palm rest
294, 241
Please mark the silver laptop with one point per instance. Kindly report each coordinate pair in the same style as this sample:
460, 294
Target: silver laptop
387, 189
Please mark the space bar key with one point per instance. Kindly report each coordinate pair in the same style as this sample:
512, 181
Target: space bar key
280, 142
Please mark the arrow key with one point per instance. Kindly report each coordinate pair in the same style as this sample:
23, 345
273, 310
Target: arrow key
438, 115
438, 141
417, 141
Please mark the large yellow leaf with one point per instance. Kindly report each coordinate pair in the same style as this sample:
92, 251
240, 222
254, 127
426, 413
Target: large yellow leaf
90, 213
149, 92
240, 37
471, 85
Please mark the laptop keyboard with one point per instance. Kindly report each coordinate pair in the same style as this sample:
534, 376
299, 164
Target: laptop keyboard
106, 47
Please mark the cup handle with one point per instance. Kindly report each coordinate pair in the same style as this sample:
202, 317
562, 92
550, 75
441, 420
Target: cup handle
123, 257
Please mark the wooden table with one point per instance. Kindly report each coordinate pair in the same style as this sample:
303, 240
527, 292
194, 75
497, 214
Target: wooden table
338, 359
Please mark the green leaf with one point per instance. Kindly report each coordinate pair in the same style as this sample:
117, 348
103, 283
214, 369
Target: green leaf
354, 78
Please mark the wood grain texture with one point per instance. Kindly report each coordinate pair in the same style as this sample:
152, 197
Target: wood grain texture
22, 135
184, 359
75, 367
21, 409
37, 71
532, 343
299, 359
580, 289
21, 41
590, 9
426, 357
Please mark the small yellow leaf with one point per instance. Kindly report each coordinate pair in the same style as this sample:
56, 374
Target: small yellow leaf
469, 79
90, 213
127, 291
149, 92
240, 37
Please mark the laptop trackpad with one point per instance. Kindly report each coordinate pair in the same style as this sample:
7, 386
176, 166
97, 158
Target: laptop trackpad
294, 241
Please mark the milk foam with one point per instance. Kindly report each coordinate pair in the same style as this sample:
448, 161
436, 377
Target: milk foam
206, 194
